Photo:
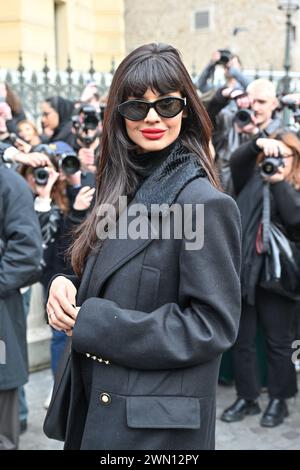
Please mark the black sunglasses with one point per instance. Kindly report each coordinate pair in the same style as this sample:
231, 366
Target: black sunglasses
136, 110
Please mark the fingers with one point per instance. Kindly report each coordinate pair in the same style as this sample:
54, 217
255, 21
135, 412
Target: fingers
38, 159
84, 198
61, 309
271, 150
86, 189
58, 317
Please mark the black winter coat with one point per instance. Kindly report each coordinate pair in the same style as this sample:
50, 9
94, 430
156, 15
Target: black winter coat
162, 316
19, 262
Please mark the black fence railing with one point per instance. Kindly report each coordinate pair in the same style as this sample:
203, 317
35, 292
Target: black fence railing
34, 86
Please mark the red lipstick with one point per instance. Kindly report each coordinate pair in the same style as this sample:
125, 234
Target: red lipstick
153, 133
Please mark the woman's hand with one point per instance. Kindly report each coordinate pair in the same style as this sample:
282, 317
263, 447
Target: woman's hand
270, 147
84, 198
61, 309
23, 146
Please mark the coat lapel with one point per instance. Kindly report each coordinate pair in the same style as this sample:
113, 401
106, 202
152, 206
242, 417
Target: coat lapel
162, 187
113, 254
84, 284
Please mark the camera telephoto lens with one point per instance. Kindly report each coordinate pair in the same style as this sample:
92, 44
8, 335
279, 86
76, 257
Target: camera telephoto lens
41, 175
243, 117
270, 165
69, 163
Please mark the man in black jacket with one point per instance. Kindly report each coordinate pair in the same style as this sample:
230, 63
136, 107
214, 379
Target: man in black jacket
20, 258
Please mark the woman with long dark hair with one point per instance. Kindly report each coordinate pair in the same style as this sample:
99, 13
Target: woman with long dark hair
153, 312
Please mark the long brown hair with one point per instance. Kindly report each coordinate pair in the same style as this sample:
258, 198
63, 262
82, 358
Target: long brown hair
291, 140
160, 68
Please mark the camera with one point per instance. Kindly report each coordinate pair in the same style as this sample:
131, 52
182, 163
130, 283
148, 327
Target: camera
270, 165
226, 56
86, 119
69, 163
243, 117
41, 175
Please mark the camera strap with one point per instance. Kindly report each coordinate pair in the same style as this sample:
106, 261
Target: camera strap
266, 217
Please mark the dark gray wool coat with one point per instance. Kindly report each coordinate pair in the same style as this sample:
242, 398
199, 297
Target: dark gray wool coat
162, 316
20, 259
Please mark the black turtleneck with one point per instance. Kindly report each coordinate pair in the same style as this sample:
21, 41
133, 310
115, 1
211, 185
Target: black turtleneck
148, 162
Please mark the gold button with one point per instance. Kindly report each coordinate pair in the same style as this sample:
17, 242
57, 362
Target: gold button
105, 399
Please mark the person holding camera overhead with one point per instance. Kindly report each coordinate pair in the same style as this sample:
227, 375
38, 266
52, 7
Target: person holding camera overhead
153, 317
232, 71
277, 161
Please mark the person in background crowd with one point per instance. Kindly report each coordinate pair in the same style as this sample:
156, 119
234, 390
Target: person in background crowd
56, 120
260, 101
17, 114
156, 339
91, 95
20, 258
29, 133
232, 71
275, 312
56, 217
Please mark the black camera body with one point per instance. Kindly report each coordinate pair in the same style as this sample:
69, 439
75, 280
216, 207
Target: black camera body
40, 173
226, 56
243, 117
270, 165
68, 162
87, 118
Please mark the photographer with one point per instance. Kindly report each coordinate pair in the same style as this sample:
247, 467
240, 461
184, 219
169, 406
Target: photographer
277, 161
255, 110
232, 71
87, 128
57, 215
20, 256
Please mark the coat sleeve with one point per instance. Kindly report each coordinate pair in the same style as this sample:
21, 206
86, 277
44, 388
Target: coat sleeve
172, 336
21, 232
287, 200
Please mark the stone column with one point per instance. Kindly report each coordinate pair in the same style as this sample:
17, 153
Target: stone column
38, 332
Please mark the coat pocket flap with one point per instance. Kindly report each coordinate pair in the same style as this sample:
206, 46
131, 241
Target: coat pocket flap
163, 412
